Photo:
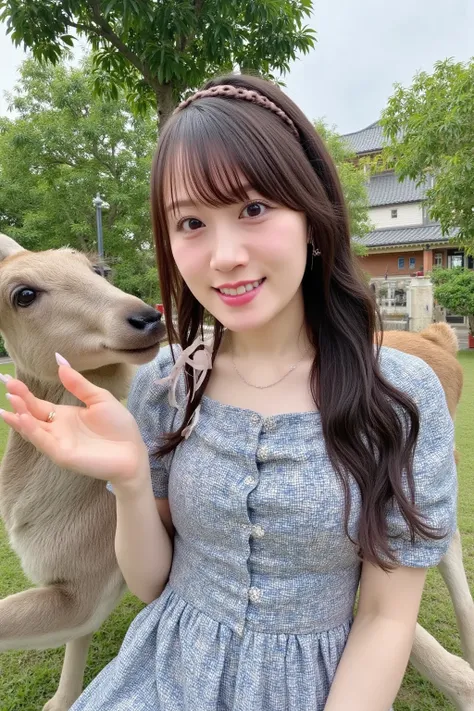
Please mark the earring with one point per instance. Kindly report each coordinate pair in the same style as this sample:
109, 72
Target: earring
315, 252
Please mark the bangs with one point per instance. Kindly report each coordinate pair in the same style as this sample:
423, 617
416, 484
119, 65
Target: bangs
207, 174
217, 159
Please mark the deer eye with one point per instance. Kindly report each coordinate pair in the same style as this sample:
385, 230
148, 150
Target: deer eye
24, 297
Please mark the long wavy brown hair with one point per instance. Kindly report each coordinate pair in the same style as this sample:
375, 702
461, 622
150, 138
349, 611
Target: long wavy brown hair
370, 427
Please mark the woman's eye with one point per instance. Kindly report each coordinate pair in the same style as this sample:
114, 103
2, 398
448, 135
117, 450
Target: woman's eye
255, 209
191, 224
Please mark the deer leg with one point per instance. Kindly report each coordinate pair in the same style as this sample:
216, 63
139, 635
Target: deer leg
450, 674
452, 569
41, 618
72, 675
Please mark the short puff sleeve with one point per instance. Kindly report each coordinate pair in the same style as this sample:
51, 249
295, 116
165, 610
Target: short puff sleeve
434, 467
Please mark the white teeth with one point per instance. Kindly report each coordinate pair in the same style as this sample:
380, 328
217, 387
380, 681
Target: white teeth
241, 289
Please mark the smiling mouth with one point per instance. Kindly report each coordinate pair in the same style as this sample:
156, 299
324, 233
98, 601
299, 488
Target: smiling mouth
242, 289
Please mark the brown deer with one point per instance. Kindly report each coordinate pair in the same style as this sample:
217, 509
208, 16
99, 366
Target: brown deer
62, 525
437, 345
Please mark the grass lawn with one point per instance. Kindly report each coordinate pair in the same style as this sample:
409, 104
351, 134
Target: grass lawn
28, 679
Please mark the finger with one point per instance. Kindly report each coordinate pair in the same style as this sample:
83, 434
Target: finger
40, 409
20, 408
12, 419
81, 388
36, 433
17, 403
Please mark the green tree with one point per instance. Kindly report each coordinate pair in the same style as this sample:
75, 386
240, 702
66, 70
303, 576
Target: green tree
157, 51
63, 148
430, 129
354, 184
454, 290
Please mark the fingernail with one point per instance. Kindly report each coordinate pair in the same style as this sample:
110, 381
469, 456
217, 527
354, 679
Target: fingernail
8, 396
61, 361
1, 411
5, 378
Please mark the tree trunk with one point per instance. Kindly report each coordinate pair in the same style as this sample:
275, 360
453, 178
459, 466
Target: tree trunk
165, 104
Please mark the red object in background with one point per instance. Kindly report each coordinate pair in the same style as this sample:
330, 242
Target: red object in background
160, 308
470, 341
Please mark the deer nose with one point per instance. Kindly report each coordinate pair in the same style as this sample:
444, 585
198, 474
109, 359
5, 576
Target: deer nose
144, 319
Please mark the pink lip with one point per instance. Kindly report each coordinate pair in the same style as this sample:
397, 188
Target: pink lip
239, 299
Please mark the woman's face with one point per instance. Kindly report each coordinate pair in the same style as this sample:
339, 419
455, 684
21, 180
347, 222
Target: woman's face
243, 262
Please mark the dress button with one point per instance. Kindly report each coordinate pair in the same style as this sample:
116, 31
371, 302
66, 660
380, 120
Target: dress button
255, 419
240, 630
249, 480
269, 425
263, 452
257, 531
255, 594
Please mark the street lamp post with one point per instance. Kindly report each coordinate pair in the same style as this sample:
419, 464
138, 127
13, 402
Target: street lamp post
100, 205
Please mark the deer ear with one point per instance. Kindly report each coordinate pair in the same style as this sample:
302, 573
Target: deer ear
8, 246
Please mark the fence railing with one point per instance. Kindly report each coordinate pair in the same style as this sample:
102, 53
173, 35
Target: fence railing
392, 325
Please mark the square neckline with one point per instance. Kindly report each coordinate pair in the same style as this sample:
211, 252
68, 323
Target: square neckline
248, 412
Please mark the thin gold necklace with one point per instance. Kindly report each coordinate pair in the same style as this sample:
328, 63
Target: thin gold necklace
263, 387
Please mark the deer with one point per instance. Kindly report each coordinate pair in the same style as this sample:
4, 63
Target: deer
62, 525
438, 345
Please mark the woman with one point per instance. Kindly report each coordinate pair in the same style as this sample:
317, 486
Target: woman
291, 459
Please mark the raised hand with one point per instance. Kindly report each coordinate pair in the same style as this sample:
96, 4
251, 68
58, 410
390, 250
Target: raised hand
101, 440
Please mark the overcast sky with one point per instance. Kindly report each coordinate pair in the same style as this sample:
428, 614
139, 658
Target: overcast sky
363, 48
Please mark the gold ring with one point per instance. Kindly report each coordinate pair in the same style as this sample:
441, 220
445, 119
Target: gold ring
51, 416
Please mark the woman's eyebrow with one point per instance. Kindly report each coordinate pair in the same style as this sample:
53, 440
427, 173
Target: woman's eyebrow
174, 207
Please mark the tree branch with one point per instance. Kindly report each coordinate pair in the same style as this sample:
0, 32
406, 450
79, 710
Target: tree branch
58, 161
185, 42
103, 29
102, 161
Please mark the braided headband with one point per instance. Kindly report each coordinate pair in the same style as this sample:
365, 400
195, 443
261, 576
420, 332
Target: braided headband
232, 92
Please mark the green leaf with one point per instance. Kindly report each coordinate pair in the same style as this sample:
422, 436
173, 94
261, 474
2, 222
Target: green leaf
67, 39
167, 41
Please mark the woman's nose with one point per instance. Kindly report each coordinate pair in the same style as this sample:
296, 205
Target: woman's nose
227, 254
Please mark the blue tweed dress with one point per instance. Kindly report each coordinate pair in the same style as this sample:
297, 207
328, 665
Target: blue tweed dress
259, 602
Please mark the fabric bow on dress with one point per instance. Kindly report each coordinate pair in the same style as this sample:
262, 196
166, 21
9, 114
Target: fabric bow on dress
200, 363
